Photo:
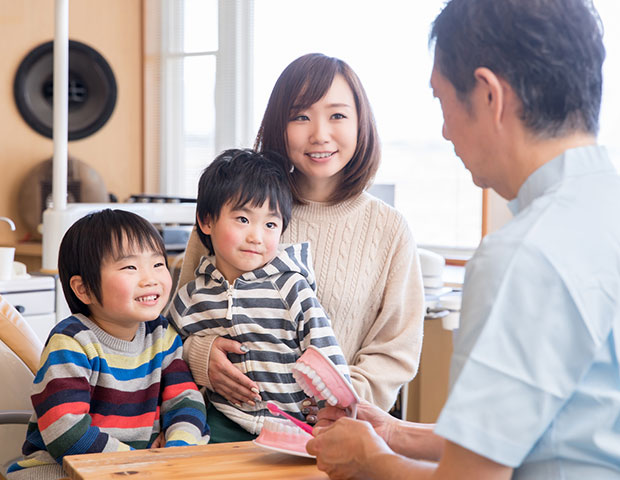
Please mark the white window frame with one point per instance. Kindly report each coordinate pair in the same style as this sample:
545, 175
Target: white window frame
233, 87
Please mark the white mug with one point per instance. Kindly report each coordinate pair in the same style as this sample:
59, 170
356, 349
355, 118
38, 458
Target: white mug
7, 254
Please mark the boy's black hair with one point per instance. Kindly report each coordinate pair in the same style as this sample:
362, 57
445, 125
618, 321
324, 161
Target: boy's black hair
241, 177
98, 236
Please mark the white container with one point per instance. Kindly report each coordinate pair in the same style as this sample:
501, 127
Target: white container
7, 255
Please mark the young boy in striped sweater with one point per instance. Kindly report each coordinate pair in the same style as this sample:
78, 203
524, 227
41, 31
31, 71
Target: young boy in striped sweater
112, 376
251, 290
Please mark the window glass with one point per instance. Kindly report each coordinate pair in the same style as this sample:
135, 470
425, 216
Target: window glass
198, 119
609, 134
200, 26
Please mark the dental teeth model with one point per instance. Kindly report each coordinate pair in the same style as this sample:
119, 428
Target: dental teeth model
283, 436
319, 378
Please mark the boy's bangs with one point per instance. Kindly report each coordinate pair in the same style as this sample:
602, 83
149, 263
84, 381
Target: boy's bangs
256, 198
134, 239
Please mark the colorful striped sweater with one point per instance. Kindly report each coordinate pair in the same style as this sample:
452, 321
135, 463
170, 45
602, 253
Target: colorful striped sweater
96, 393
274, 312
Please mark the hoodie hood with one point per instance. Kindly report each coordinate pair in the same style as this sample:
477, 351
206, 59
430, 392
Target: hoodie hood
292, 258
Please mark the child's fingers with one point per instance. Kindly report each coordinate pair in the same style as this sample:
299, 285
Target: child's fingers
310, 409
329, 415
159, 442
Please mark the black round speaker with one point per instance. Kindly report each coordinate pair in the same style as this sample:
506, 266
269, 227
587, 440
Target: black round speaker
92, 89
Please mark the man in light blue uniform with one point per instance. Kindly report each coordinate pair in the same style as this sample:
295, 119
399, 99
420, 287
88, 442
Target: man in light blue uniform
535, 376
535, 379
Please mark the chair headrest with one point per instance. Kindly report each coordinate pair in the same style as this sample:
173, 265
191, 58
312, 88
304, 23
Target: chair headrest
19, 336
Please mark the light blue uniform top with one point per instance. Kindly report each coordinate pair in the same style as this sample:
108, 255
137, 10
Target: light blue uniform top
535, 380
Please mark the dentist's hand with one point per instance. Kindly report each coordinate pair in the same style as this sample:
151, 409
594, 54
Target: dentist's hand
347, 449
381, 421
226, 379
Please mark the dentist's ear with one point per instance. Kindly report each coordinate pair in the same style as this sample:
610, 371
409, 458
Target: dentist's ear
80, 290
493, 89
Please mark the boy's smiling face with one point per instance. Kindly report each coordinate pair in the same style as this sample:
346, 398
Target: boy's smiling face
134, 288
244, 238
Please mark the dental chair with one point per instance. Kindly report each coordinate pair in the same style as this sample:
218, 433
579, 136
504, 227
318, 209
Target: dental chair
20, 352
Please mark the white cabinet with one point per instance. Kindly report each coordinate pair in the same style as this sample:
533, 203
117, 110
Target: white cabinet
34, 297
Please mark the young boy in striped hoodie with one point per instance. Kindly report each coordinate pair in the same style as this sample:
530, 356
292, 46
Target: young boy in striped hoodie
111, 376
251, 290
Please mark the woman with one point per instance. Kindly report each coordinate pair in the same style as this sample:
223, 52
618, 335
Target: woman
319, 119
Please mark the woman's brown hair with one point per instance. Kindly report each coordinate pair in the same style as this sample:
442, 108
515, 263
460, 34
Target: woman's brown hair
303, 83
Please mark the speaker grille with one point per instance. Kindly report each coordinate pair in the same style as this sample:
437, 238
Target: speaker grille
92, 90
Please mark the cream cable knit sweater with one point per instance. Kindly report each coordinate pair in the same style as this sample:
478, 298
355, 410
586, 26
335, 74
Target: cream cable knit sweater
369, 282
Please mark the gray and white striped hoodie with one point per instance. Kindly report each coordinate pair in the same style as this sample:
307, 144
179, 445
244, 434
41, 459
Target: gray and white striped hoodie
274, 312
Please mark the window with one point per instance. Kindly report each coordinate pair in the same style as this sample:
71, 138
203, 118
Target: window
385, 42
609, 10
188, 60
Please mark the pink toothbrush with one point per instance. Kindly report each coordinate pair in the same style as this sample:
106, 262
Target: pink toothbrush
274, 409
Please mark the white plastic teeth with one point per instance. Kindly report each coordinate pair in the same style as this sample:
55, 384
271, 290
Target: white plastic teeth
310, 373
301, 380
318, 383
282, 426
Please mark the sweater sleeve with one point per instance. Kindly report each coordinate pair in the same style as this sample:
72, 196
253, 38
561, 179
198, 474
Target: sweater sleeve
196, 352
313, 326
183, 412
62, 398
390, 352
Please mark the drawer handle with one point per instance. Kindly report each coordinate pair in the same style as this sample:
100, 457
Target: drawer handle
20, 308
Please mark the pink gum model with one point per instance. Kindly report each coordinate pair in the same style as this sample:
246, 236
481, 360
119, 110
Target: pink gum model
319, 378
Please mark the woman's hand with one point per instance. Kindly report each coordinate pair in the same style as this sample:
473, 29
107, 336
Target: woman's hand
225, 378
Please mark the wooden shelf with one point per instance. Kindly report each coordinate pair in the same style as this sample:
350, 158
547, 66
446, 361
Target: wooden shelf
29, 249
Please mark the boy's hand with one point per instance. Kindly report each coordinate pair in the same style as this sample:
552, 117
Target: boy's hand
160, 441
309, 408
225, 378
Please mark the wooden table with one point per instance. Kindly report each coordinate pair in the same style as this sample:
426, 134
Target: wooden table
224, 461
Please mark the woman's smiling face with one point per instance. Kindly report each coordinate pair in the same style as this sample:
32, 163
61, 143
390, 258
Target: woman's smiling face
322, 139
